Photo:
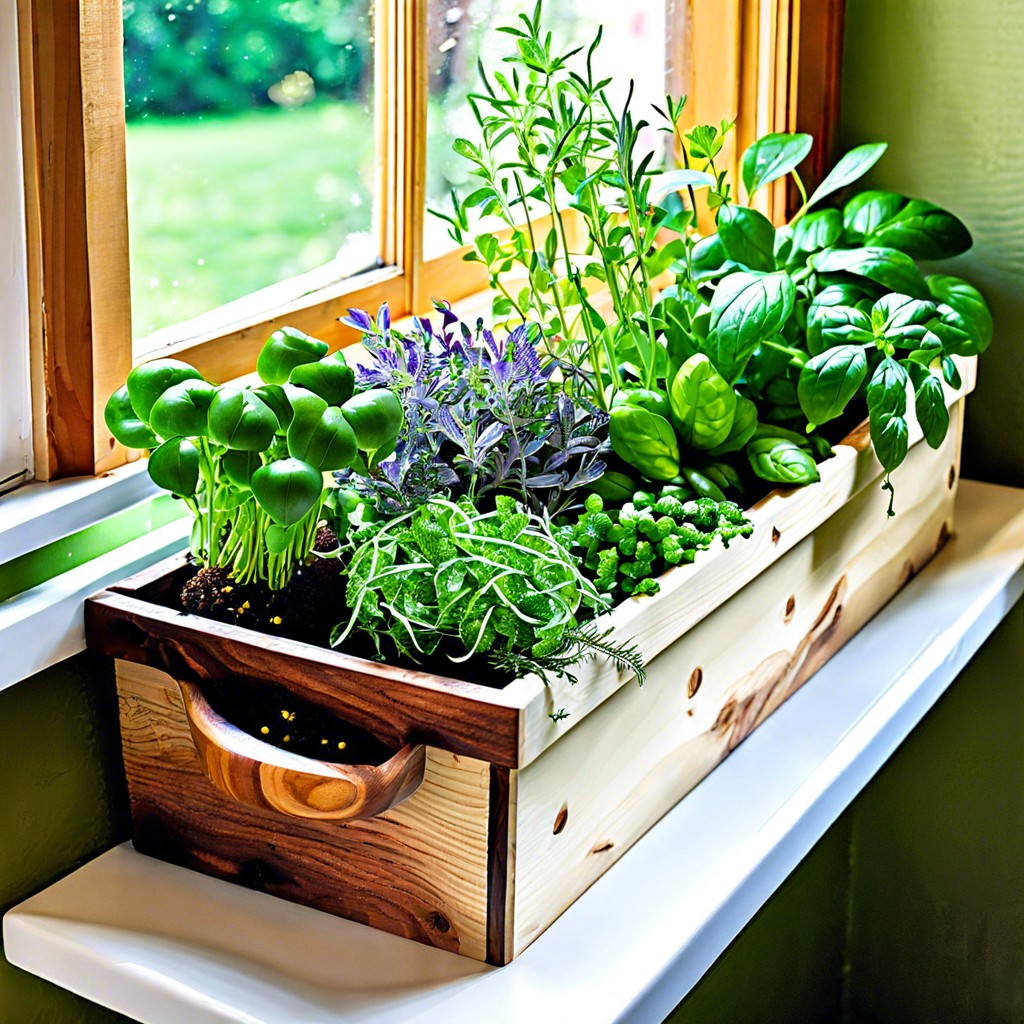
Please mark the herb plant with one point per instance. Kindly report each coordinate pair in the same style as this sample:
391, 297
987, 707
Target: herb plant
734, 357
626, 550
484, 415
249, 462
447, 580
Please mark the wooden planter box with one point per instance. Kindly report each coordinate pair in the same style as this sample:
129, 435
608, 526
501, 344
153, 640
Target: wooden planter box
491, 818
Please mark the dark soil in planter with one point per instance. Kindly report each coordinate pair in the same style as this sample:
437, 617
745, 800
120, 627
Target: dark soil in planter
272, 714
306, 609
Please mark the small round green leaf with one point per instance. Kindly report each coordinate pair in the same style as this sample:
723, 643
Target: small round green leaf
240, 419
331, 378
284, 350
287, 489
146, 383
124, 423
375, 416
781, 461
174, 466
183, 409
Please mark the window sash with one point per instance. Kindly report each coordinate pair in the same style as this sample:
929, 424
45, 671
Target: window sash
771, 64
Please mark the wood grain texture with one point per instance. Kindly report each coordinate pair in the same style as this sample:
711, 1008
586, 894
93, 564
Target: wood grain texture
80, 319
509, 727
588, 798
418, 870
397, 705
690, 593
261, 775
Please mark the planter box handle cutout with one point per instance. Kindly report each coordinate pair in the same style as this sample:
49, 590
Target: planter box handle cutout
260, 775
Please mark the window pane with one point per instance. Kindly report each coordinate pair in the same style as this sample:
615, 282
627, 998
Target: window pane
250, 144
462, 31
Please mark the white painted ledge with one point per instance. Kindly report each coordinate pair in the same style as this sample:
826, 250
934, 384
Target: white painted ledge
45, 625
37, 514
164, 945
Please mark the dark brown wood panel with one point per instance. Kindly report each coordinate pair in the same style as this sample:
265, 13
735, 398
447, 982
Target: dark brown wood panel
397, 705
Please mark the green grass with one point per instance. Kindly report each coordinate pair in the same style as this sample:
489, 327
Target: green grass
222, 206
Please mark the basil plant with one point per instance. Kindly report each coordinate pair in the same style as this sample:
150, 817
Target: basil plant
763, 334
250, 462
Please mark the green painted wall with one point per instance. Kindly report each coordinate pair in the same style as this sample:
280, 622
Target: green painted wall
942, 81
937, 900
62, 801
786, 966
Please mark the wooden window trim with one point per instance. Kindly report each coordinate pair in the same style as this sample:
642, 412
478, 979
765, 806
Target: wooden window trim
773, 65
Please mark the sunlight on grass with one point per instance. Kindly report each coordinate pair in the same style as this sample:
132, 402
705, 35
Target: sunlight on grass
222, 206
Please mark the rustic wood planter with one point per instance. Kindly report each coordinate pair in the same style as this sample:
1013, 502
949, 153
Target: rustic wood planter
491, 818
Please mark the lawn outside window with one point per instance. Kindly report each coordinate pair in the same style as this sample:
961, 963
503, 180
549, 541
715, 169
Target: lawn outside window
74, 128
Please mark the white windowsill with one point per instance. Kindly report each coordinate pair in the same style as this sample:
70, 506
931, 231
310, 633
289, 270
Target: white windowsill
38, 514
165, 945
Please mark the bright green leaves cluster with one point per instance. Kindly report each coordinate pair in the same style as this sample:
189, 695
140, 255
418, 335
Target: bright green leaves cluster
450, 581
627, 549
246, 459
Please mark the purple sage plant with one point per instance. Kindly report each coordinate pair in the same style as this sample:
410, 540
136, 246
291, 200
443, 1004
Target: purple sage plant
484, 415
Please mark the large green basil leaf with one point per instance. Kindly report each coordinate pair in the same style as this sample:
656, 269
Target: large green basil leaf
923, 231
817, 231
703, 404
930, 406
174, 466
830, 296
840, 325
241, 420
708, 259
890, 436
645, 440
781, 461
888, 267
887, 389
902, 319
746, 308
744, 423
287, 489
747, 236
183, 409
867, 210
970, 312
828, 382
124, 423
852, 166
887, 407
771, 157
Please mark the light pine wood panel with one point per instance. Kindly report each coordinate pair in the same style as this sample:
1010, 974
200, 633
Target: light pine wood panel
419, 870
588, 798
73, 136
691, 592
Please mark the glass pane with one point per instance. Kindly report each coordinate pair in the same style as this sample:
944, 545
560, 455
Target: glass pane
250, 148
462, 31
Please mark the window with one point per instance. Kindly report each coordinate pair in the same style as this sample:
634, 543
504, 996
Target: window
15, 407
283, 186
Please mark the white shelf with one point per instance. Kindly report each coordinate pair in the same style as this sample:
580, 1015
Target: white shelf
165, 945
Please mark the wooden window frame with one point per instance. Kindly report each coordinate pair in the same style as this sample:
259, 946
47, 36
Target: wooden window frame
773, 65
